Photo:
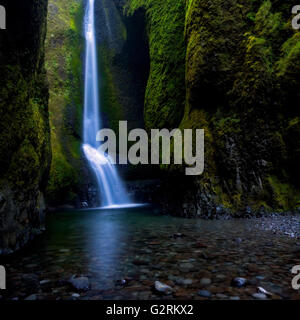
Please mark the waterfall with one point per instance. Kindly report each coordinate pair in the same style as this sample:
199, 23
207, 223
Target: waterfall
111, 190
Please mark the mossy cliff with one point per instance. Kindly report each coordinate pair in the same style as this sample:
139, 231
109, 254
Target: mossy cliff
64, 50
165, 91
123, 65
231, 68
24, 129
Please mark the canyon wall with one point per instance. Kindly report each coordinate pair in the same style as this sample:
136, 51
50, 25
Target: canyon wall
231, 68
63, 59
25, 152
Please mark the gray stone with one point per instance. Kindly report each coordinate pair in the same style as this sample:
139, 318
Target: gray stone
205, 282
162, 288
260, 296
80, 283
239, 282
184, 281
31, 297
204, 293
186, 267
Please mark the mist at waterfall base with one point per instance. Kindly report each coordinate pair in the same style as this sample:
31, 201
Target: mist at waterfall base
111, 189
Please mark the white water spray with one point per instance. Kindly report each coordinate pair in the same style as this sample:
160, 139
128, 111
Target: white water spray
111, 189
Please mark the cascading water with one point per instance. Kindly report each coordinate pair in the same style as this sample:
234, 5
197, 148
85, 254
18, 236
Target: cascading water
111, 189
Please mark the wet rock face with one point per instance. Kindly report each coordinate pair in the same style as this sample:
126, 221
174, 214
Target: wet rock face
24, 129
240, 86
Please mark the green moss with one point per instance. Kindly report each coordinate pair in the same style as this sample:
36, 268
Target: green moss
25, 136
165, 92
284, 195
288, 65
241, 67
64, 47
111, 107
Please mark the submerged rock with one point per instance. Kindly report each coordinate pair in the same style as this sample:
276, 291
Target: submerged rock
264, 291
259, 296
205, 282
121, 282
162, 288
238, 240
239, 282
80, 283
31, 297
204, 293
184, 281
186, 267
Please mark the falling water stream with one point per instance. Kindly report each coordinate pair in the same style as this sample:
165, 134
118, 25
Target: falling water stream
111, 190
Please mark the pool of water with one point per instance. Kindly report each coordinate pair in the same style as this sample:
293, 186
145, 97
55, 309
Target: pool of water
124, 251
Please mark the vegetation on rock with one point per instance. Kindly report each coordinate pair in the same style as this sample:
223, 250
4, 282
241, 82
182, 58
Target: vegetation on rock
241, 80
24, 128
64, 48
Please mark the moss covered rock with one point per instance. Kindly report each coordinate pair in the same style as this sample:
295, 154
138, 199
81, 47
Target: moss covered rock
64, 51
241, 75
24, 125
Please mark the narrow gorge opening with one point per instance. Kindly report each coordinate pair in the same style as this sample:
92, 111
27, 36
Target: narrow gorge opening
71, 67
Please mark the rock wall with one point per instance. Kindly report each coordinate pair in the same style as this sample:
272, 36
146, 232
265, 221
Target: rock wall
64, 55
235, 67
24, 128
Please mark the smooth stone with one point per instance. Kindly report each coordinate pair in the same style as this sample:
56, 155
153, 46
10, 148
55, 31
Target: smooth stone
204, 293
186, 267
221, 296
239, 282
204, 282
31, 297
234, 298
162, 288
44, 281
75, 295
259, 296
184, 281
263, 291
81, 283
